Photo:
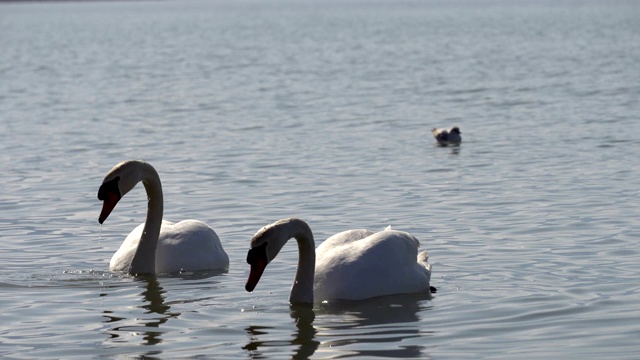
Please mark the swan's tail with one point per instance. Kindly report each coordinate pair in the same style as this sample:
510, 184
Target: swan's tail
422, 260
423, 256
387, 228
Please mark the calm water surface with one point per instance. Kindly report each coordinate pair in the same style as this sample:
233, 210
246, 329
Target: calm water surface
256, 111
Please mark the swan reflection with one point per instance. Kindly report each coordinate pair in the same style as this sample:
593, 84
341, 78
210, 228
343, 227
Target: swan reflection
148, 324
155, 308
304, 338
379, 327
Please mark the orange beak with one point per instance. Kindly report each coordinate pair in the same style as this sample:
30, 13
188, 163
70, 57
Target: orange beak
109, 202
257, 268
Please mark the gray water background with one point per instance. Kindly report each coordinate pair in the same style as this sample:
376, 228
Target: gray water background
255, 111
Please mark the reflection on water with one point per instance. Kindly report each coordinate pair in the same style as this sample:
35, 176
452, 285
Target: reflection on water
146, 318
154, 306
382, 327
455, 148
303, 339
401, 308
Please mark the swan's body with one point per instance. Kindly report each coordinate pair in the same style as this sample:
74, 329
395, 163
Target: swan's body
351, 265
158, 246
447, 136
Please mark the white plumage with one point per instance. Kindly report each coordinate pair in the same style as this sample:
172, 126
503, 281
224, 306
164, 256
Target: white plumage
158, 246
351, 265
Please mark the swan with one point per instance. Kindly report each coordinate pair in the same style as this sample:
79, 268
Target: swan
351, 265
157, 246
447, 136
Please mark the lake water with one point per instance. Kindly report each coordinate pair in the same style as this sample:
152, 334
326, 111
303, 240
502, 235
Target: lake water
254, 111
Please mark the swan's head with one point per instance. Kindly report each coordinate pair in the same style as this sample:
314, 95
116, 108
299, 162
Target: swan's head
267, 243
119, 181
455, 130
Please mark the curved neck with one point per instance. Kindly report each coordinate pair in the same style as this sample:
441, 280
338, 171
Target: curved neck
144, 260
302, 289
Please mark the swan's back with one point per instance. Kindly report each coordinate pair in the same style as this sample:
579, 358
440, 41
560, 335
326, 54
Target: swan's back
342, 238
188, 245
358, 264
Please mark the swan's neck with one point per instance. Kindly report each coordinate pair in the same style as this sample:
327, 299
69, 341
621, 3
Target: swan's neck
302, 289
144, 260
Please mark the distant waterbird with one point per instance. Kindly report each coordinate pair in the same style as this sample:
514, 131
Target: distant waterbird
447, 136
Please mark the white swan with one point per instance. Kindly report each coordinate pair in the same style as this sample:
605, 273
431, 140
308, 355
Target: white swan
157, 246
447, 136
351, 265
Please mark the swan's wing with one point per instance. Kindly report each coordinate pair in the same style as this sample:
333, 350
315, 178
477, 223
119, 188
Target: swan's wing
189, 245
381, 264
